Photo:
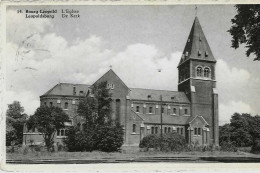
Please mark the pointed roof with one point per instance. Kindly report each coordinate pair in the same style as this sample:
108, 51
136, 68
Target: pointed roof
110, 73
197, 46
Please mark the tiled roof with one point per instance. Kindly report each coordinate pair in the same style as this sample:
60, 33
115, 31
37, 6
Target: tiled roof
167, 119
66, 89
142, 94
197, 46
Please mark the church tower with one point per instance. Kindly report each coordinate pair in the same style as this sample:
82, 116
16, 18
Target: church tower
198, 81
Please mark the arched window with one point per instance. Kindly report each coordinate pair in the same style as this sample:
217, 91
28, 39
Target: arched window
169, 130
162, 110
137, 108
199, 72
199, 131
174, 110
165, 129
207, 72
66, 105
134, 128
152, 130
150, 110
156, 130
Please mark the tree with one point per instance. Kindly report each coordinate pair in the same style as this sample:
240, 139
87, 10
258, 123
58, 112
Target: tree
108, 138
15, 119
225, 134
48, 120
242, 131
246, 29
96, 107
100, 132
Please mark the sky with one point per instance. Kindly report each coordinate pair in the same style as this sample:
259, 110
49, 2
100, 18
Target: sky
135, 40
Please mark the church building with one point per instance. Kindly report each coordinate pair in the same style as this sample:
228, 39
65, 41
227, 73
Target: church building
192, 111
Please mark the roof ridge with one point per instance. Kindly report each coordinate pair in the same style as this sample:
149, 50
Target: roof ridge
157, 90
72, 83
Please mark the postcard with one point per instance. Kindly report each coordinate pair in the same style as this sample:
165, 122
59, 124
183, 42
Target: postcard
120, 86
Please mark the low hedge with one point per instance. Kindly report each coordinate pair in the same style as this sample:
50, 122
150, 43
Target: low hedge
228, 146
170, 142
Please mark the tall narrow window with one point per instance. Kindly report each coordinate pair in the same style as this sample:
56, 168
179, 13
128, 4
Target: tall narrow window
186, 111
195, 131
156, 130
74, 90
134, 128
62, 132
150, 110
152, 130
162, 110
165, 129
66, 105
174, 110
137, 108
118, 109
199, 131
51, 104
181, 131
178, 130
207, 72
169, 130
199, 71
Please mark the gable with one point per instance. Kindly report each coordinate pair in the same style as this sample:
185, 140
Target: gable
198, 121
119, 89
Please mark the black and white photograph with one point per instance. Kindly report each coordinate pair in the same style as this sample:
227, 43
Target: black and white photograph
131, 84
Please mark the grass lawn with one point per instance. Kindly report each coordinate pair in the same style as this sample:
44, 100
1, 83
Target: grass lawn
124, 154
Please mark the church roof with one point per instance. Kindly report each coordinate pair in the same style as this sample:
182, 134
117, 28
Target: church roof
167, 96
66, 89
197, 46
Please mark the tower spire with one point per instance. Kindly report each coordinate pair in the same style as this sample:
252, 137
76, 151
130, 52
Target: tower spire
197, 46
196, 10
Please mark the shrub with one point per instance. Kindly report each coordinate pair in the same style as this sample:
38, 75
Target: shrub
61, 147
150, 141
173, 142
79, 140
109, 138
228, 146
256, 147
37, 148
170, 142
